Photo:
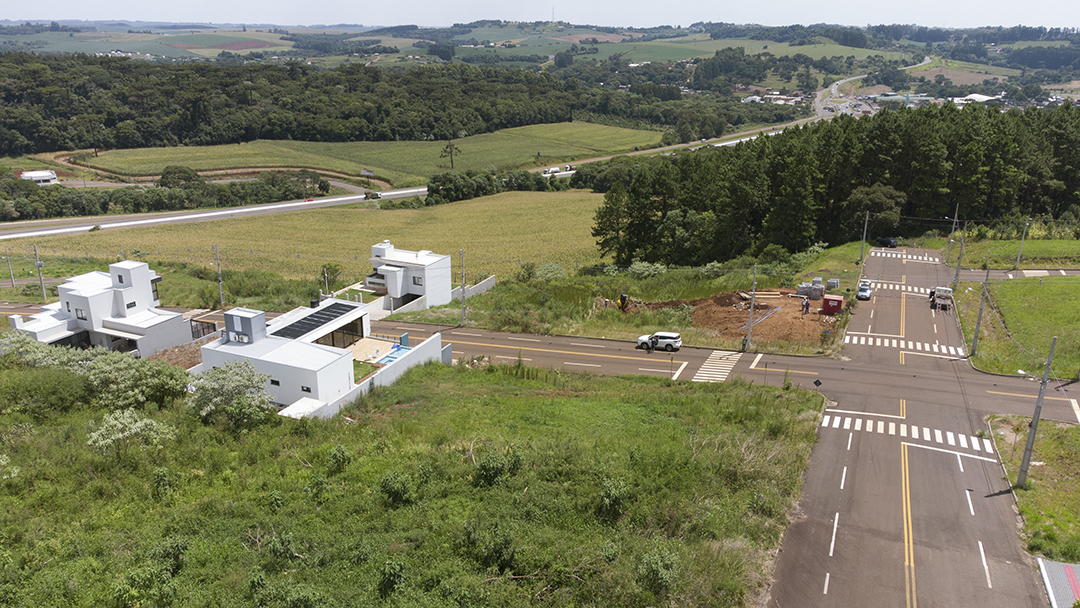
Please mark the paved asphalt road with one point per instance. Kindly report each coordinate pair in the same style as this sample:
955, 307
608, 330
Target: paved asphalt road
72, 226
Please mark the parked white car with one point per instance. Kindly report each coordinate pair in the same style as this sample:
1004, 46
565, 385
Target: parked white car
666, 340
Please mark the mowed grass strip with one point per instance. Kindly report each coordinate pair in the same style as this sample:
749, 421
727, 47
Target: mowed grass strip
1017, 330
495, 232
402, 163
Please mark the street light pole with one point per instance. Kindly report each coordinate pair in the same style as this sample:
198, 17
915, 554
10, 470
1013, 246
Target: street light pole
1021, 479
978, 322
960, 257
866, 223
955, 218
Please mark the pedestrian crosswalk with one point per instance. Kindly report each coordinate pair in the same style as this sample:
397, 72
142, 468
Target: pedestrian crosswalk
926, 347
717, 367
899, 287
911, 432
905, 256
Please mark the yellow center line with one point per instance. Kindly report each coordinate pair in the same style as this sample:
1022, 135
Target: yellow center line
560, 352
901, 357
909, 542
1028, 396
903, 408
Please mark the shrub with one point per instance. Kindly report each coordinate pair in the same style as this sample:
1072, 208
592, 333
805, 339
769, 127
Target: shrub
493, 466
234, 392
549, 272
118, 430
645, 270
658, 571
398, 488
391, 577
339, 459
614, 494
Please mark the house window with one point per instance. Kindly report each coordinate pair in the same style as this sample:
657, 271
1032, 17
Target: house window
418, 281
120, 278
131, 304
275, 382
80, 314
306, 389
153, 287
68, 306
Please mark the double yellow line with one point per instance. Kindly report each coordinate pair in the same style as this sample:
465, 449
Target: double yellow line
909, 543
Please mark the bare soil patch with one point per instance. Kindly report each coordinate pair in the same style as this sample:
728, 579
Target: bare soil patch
728, 314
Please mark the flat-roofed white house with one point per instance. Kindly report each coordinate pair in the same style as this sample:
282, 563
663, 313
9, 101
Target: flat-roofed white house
115, 309
302, 351
406, 276
41, 178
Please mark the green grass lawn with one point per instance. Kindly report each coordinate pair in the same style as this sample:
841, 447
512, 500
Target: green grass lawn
1017, 330
401, 163
1049, 502
500, 486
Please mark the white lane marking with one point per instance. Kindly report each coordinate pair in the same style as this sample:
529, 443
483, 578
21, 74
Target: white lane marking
986, 568
523, 339
975, 443
758, 358
903, 430
960, 462
1062, 272
458, 352
849, 436
881, 426
952, 351
1076, 409
871, 314
658, 371
879, 342
680, 370
587, 345
462, 333
862, 339
944, 451
847, 340
971, 507
988, 446
832, 545
836, 422
826, 592
894, 343
836, 411
949, 437
934, 346
869, 426
937, 435
581, 364
514, 358
892, 428
825, 420
926, 433
963, 440
858, 424
847, 423
843, 478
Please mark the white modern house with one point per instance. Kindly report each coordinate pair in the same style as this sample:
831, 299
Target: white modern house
406, 276
41, 178
115, 309
302, 351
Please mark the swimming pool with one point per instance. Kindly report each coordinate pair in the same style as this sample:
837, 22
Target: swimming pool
395, 352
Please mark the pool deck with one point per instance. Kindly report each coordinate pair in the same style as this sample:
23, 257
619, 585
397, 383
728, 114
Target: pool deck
370, 350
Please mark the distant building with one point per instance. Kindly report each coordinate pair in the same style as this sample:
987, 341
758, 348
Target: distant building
405, 276
41, 178
116, 310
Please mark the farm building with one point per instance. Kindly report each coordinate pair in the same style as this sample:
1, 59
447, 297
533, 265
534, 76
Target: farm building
115, 309
406, 276
41, 178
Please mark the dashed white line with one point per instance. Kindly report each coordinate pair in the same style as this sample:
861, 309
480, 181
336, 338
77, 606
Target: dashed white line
523, 339
581, 364
843, 478
832, 545
986, 568
513, 358
970, 506
587, 345
462, 333
826, 592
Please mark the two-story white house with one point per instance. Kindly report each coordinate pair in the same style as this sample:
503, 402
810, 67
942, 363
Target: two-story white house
302, 351
115, 309
405, 276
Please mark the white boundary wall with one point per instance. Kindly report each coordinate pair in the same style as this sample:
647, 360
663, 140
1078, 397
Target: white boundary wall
428, 350
475, 290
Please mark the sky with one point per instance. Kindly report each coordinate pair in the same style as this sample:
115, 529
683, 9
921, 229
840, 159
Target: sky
621, 13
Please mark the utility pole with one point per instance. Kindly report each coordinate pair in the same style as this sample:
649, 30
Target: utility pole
463, 287
963, 237
1022, 237
220, 284
1021, 479
10, 271
955, 217
978, 322
753, 297
866, 223
39, 264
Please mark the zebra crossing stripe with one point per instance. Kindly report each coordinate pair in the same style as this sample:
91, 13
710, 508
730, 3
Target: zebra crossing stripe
717, 367
928, 434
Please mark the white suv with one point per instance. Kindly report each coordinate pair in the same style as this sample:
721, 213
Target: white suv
666, 340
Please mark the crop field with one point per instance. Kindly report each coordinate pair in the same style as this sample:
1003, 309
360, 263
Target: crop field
495, 232
401, 163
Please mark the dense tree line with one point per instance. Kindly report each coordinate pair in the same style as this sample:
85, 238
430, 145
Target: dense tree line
57, 102
449, 187
847, 36
23, 199
815, 184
